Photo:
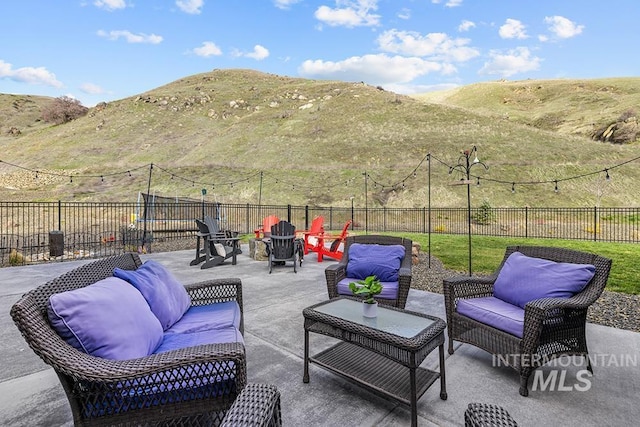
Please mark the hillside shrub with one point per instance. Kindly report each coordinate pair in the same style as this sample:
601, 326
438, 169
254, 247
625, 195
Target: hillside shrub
62, 110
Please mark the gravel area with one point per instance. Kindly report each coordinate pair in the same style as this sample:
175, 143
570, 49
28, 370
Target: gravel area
613, 309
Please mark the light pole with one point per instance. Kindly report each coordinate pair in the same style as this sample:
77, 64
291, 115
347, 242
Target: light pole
352, 212
464, 166
366, 203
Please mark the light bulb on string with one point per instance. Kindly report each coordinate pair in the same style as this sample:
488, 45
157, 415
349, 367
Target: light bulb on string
513, 187
556, 189
607, 177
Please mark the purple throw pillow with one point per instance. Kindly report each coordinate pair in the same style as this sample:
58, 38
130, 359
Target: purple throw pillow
523, 279
108, 319
166, 296
382, 261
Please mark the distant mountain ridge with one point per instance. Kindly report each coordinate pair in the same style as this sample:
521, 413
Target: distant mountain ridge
314, 140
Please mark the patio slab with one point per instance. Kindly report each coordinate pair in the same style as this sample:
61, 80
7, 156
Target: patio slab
274, 337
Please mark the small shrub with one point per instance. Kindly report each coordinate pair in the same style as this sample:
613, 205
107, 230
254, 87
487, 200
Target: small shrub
62, 110
484, 215
16, 258
440, 228
627, 115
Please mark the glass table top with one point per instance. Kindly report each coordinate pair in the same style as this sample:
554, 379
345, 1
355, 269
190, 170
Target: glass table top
395, 322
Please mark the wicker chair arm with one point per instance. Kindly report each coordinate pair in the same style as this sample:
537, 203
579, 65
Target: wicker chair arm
84, 367
258, 405
215, 290
468, 286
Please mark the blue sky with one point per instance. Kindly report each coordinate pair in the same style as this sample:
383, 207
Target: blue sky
104, 50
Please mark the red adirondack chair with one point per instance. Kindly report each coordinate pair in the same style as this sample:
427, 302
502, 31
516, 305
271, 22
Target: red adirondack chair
267, 222
315, 241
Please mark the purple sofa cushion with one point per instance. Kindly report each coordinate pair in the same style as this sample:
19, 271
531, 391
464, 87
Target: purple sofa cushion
214, 336
494, 312
523, 279
206, 317
382, 261
389, 289
166, 296
108, 319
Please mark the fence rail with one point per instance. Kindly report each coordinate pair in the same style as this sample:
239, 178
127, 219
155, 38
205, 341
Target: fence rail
45, 231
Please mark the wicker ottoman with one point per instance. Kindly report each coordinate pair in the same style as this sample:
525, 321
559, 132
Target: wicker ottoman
485, 415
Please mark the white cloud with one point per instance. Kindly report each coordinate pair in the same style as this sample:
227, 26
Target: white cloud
449, 3
404, 13
374, 69
207, 49
466, 25
514, 61
31, 75
91, 89
284, 4
513, 29
438, 46
563, 27
130, 37
110, 4
354, 14
193, 7
259, 53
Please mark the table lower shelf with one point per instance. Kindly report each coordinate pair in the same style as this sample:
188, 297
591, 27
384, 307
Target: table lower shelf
374, 371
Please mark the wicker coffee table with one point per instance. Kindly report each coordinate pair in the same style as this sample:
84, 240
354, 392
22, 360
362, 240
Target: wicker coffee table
382, 353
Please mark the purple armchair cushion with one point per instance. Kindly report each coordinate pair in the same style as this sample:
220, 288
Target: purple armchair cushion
215, 336
494, 312
108, 319
523, 279
389, 289
166, 296
382, 261
199, 318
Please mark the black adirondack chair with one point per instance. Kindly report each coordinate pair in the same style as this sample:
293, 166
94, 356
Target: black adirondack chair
283, 245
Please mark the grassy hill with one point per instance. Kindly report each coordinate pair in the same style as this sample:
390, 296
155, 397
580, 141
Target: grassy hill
313, 140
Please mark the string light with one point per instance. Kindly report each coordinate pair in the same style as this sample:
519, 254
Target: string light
324, 186
513, 187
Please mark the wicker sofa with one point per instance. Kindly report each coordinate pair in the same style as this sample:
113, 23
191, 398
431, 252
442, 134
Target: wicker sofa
394, 294
528, 332
184, 384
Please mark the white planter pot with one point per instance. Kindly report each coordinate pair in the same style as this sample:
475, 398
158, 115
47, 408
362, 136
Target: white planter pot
370, 310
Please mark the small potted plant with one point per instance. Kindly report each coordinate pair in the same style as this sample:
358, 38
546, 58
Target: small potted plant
368, 288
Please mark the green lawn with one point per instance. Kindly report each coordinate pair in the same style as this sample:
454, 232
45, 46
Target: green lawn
487, 252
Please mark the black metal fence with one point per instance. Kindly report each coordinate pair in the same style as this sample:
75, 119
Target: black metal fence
41, 231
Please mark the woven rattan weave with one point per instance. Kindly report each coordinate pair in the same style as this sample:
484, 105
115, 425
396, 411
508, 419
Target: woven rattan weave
379, 357
257, 406
552, 326
179, 387
338, 271
486, 415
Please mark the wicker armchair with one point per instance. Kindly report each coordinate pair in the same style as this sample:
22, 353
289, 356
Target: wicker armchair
334, 273
552, 326
258, 405
191, 386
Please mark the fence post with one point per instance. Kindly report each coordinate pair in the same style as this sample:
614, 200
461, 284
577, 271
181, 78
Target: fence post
526, 222
59, 215
595, 223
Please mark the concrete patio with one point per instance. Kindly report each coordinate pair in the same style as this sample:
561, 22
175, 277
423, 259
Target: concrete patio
274, 337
